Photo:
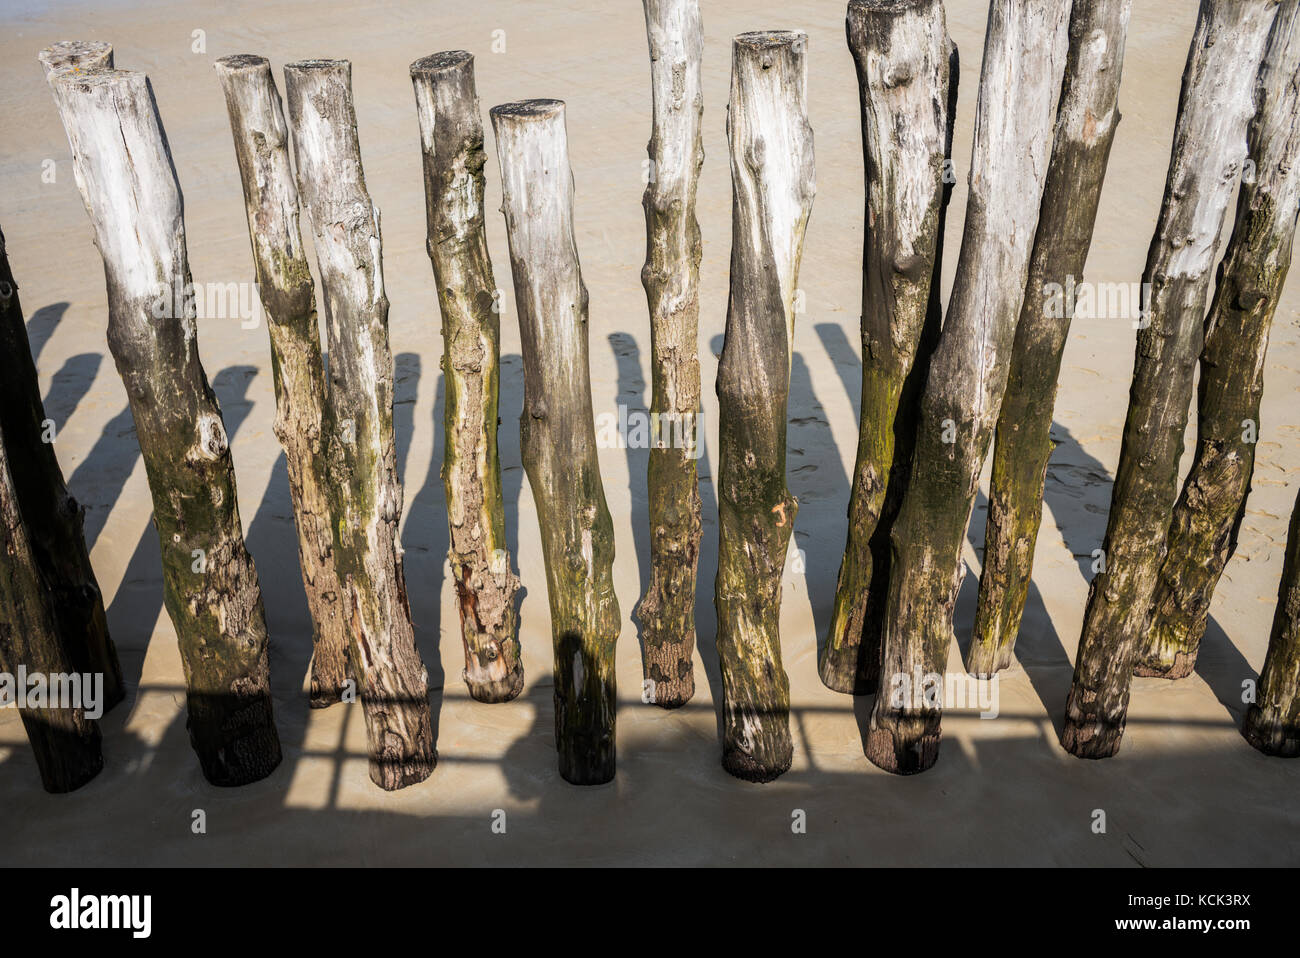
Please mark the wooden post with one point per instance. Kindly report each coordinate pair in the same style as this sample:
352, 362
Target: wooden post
1208, 149
79, 56
1203, 534
1272, 722
65, 742
901, 50
1085, 128
557, 434
52, 518
284, 284
451, 140
1024, 54
671, 277
365, 491
773, 182
210, 587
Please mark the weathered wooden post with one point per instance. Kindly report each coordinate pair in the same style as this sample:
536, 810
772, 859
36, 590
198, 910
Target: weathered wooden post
1272, 722
773, 181
1203, 534
671, 277
65, 742
1085, 127
557, 434
1208, 149
1024, 55
210, 587
451, 140
365, 491
284, 284
901, 50
51, 516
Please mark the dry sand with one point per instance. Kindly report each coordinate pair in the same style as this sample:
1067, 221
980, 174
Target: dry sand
1185, 789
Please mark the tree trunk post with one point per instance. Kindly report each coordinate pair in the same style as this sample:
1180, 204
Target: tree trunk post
671, 277
1208, 149
365, 491
65, 742
52, 518
79, 56
1024, 55
557, 433
1272, 722
284, 284
210, 587
1203, 534
901, 50
1085, 128
451, 140
773, 183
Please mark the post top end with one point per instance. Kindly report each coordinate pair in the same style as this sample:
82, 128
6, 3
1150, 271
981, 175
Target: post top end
770, 39
528, 109
242, 61
66, 49
443, 62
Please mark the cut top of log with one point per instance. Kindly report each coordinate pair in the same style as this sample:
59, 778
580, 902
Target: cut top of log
771, 148
261, 148
76, 55
139, 223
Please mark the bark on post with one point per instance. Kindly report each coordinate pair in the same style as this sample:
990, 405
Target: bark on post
65, 742
557, 434
52, 517
1203, 534
901, 50
671, 277
1085, 127
284, 284
1024, 55
1208, 149
451, 140
773, 183
1272, 722
210, 587
365, 491
79, 56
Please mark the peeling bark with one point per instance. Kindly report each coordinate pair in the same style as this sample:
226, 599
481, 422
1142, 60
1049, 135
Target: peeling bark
557, 434
1085, 128
1272, 723
365, 493
773, 182
1024, 55
671, 277
210, 588
284, 283
451, 139
902, 52
1208, 149
65, 743
52, 517
1203, 533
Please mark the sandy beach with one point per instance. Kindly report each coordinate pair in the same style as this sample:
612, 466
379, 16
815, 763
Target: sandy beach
1186, 789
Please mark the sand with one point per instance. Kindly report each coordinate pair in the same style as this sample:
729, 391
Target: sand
1185, 789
